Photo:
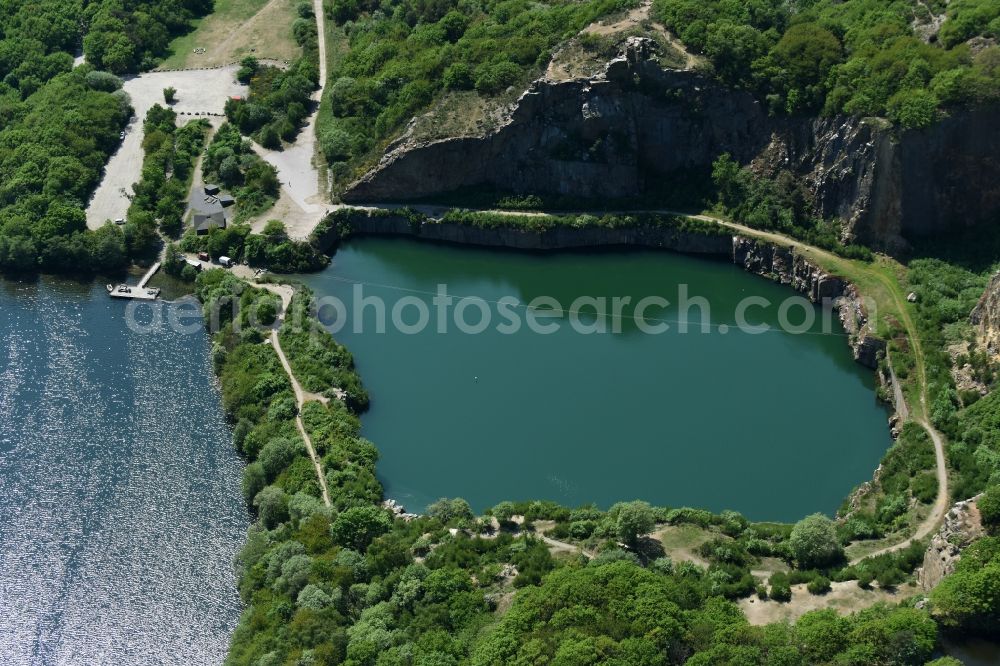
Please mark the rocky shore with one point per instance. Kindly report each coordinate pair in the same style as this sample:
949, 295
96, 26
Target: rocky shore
783, 265
786, 266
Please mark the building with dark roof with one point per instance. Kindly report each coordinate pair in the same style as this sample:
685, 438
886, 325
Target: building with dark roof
205, 222
208, 209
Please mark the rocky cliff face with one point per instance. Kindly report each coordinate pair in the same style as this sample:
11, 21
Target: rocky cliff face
784, 265
962, 526
587, 137
614, 134
363, 222
986, 315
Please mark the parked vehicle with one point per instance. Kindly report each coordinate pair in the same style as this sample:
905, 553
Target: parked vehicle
204, 256
226, 261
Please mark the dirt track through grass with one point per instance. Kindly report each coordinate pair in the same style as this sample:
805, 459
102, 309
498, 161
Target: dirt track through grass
233, 29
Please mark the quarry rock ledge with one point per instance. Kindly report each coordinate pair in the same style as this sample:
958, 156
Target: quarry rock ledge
785, 266
362, 222
654, 123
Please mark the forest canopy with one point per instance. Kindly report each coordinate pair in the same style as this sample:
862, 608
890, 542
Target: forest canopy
861, 57
59, 125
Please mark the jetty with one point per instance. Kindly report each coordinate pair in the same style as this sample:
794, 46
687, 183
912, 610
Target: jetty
140, 291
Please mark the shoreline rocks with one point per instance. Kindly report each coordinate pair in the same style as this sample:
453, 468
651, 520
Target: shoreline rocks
785, 266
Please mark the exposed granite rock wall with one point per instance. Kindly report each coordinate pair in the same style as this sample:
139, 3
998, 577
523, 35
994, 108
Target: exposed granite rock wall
593, 138
986, 315
850, 166
786, 266
607, 136
362, 222
962, 526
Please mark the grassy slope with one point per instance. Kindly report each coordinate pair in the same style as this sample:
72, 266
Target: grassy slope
233, 29
337, 48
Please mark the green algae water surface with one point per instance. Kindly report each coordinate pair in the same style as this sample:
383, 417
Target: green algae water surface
776, 425
120, 502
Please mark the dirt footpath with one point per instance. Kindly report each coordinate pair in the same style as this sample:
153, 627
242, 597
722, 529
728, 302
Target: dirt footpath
198, 92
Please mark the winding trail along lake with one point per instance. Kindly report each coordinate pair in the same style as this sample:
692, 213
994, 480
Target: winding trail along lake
120, 502
774, 425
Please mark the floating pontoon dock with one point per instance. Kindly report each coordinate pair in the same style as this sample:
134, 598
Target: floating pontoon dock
140, 291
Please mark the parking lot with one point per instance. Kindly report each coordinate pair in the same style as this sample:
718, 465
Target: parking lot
203, 91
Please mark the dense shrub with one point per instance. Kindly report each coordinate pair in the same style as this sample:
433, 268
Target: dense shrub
969, 599
989, 509
859, 57
814, 542
819, 585
53, 146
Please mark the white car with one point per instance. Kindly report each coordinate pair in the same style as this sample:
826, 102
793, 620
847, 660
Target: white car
121, 135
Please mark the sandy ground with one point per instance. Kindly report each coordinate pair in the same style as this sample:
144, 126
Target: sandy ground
303, 202
845, 598
198, 92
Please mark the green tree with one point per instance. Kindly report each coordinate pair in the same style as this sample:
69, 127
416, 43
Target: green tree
806, 53
229, 171
278, 454
504, 511
450, 510
356, 527
822, 634
458, 76
272, 506
336, 144
989, 509
913, 108
254, 480
170, 94
814, 542
314, 598
632, 520
104, 81
295, 573
969, 599
269, 137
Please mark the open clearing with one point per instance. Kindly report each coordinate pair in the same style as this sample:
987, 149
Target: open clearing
845, 597
233, 29
199, 92
302, 202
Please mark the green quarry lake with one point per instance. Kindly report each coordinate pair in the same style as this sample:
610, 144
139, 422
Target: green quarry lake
775, 425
